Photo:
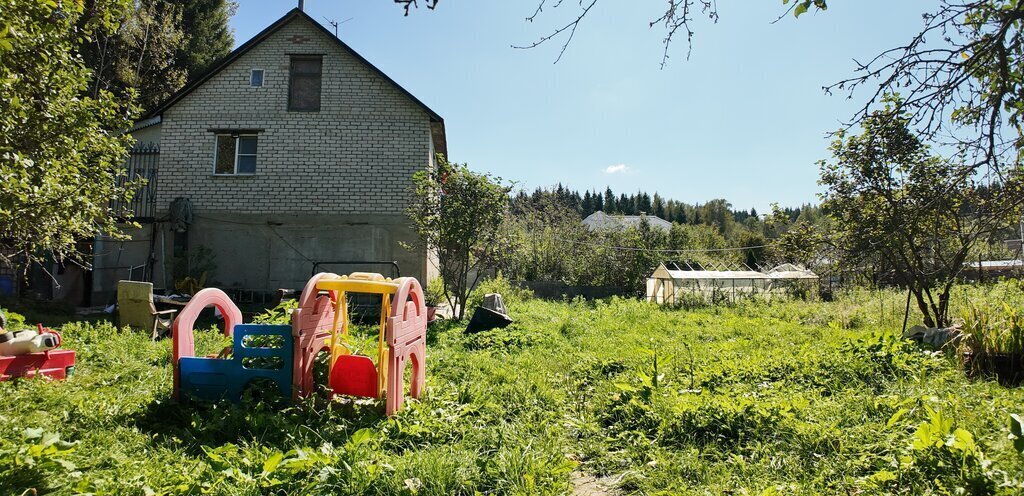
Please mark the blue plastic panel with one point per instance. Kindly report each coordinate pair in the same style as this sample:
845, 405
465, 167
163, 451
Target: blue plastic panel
213, 379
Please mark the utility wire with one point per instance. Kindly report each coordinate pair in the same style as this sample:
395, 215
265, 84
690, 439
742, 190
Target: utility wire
658, 250
289, 245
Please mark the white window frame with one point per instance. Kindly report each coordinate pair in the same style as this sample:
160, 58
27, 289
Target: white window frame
238, 149
263, 78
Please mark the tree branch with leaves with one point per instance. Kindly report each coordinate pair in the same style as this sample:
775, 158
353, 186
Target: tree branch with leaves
961, 80
60, 149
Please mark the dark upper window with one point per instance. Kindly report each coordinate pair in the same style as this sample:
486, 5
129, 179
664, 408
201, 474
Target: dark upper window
304, 83
235, 154
256, 78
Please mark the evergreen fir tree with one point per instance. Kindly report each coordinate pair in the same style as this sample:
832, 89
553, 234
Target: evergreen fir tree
644, 201
208, 36
658, 206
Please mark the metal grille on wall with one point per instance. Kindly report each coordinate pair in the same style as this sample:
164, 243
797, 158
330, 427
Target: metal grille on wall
142, 164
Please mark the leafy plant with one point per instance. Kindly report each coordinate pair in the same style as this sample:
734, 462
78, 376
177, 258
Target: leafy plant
457, 213
948, 455
434, 294
60, 152
280, 314
11, 321
1017, 432
891, 199
511, 294
38, 455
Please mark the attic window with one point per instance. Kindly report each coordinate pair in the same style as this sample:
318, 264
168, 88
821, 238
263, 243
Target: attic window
256, 78
304, 83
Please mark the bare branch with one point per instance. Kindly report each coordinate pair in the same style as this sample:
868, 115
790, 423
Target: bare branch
408, 4
676, 18
570, 27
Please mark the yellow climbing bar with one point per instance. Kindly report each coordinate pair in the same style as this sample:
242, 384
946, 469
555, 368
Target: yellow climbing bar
352, 285
366, 283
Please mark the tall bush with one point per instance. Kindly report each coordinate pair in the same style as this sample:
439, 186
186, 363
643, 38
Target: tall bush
457, 213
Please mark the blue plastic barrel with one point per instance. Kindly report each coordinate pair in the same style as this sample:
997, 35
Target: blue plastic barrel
6, 285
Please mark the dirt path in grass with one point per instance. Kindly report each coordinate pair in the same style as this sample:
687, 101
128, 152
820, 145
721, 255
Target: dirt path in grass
588, 485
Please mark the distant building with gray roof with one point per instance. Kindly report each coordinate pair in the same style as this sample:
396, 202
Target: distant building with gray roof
600, 221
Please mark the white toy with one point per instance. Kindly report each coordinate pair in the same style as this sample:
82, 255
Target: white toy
29, 341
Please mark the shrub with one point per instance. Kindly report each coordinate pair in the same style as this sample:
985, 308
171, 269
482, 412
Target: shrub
945, 457
726, 422
280, 314
511, 338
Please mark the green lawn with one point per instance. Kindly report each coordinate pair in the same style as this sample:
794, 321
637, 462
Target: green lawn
782, 398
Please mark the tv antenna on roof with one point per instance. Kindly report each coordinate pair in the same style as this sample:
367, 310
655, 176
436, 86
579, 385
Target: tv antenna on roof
335, 24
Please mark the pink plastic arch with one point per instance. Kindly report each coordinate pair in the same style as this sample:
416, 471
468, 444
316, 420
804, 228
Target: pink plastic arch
311, 327
183, 343
406, 336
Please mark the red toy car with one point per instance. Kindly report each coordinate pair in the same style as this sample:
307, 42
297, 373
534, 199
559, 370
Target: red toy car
19, 355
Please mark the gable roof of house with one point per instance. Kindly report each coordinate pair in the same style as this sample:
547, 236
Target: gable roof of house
601, 220
437, 122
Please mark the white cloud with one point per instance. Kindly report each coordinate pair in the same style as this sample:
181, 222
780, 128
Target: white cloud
613, 169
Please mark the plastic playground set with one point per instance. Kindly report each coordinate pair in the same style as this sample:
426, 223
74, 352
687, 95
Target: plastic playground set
283, 355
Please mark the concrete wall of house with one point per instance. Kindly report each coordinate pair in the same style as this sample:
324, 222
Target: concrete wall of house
278, 251
329, 185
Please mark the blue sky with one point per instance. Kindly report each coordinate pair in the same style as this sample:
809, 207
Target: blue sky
743, 119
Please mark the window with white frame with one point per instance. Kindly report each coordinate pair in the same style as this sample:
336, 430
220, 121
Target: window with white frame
235, 154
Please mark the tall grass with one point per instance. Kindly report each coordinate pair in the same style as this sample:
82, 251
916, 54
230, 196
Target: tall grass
756, 398
991, 328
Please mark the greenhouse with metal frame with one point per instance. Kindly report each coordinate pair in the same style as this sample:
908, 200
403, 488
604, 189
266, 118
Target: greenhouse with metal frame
679, 282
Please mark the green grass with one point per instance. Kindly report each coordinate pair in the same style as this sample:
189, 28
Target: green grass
781, 398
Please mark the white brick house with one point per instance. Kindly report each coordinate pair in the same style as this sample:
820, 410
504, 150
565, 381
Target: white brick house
292, 150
